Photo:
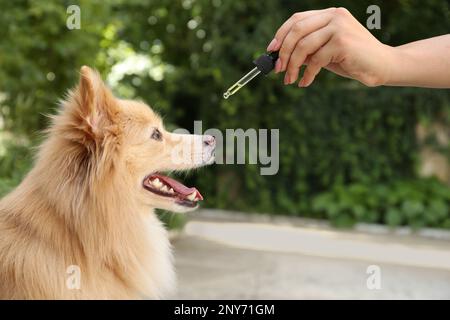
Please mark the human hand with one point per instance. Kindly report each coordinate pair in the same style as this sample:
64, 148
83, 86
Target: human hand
332, 39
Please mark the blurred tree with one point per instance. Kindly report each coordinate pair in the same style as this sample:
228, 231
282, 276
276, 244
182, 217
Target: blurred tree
40, 56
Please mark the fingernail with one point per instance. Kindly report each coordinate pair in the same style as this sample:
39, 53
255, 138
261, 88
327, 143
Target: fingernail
292, 80
278, 65
272, 45
301, 83
308, 83
286, 79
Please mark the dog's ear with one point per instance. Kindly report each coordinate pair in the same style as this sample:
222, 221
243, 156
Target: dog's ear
89, 83
96, 106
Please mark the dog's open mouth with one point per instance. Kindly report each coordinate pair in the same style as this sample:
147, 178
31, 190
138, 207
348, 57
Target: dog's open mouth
168, 187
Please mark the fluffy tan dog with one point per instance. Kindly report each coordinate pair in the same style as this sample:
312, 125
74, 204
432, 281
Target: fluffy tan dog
81, 225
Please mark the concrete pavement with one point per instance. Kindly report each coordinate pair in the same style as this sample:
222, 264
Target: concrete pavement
239, 260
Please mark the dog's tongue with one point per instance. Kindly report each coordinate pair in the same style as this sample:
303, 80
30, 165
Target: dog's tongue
178, 187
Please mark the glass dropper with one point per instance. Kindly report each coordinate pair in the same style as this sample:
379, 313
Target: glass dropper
264, 64
241, 82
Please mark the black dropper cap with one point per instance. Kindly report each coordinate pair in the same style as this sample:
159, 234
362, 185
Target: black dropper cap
266, 62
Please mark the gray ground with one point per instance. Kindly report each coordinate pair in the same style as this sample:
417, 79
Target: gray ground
212, 269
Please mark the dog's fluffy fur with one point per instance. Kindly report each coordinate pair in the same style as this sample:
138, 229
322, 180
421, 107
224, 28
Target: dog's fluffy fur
84, 204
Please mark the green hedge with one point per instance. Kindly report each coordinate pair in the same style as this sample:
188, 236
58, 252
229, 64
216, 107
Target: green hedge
334, 135
417, 203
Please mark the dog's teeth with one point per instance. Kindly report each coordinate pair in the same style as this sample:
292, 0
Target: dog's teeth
165, 189
171, 190
158, 184
191, 197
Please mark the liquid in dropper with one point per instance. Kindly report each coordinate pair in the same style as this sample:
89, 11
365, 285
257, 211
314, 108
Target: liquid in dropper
241, 82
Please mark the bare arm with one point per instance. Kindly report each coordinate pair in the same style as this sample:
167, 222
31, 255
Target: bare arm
424, 63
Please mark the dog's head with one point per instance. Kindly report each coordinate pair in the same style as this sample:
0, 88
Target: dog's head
124, 142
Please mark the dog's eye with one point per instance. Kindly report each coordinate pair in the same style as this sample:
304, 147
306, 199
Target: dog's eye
156, 135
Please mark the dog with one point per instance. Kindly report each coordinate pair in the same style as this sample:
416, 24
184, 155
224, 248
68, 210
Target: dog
81, 225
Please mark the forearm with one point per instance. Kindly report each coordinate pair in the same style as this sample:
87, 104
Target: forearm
424, 63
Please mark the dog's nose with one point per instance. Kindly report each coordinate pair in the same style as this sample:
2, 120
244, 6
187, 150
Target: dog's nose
209, 141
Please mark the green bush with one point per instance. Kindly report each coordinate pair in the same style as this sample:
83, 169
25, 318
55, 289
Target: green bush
417, 203
40, 57
15, 162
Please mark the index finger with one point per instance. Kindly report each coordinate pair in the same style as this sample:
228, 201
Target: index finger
282, 32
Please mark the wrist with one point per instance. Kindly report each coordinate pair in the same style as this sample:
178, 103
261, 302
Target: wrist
382, 70
401, 67
393, 66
